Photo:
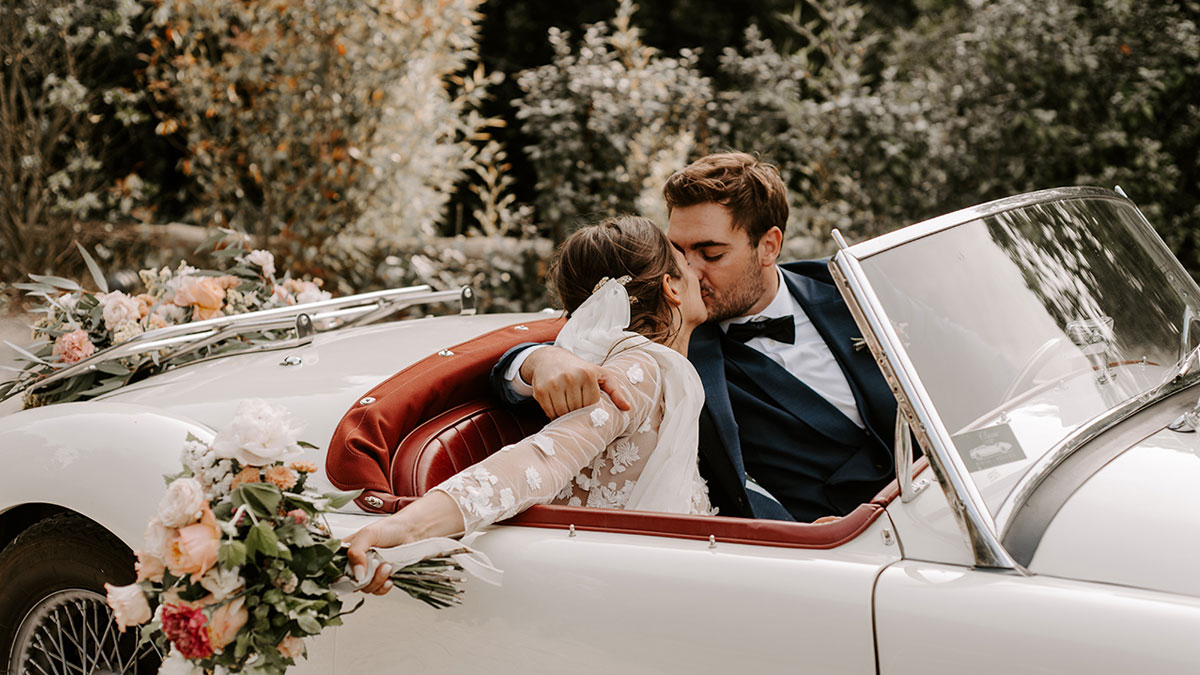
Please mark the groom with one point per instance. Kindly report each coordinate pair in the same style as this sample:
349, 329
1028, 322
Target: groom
797, 422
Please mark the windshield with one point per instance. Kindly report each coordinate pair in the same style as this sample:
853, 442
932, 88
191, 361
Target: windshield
1024, 325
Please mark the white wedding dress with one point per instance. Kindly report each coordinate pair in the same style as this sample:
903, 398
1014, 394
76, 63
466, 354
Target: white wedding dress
643, 459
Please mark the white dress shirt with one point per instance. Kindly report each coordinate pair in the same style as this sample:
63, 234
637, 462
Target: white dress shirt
808, 358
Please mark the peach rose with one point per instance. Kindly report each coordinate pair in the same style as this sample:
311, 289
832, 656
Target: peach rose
148, 567
74, 346
194, 551
205, 295
291, 647
226, 621
128, 604
281, 477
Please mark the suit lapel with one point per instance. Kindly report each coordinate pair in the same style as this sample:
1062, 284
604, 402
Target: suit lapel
789, 392
704, 351
829, 314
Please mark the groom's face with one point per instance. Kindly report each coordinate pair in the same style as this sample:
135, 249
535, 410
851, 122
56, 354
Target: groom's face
732, 272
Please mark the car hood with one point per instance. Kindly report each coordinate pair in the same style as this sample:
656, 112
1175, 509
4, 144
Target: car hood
1134, 522
334, 370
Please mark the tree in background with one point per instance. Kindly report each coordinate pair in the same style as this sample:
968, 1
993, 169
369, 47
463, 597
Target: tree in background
70, 113
609, 121
316, 120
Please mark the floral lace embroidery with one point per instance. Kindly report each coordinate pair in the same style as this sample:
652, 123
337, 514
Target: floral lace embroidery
635, 374
599, 417
544, 443
532, 478
624, 453
609, 496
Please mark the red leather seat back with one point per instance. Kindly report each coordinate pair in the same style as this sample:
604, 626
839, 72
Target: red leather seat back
360, 452
456, 439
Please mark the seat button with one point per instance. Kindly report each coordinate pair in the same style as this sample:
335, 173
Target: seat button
373, 502
367, 400
445, 352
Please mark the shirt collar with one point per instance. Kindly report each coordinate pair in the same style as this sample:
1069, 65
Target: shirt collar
780, 305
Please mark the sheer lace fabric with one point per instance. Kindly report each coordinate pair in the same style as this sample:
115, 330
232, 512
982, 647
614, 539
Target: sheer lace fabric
590, 457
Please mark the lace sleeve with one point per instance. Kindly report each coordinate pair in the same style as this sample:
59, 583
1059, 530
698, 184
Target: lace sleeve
537, 468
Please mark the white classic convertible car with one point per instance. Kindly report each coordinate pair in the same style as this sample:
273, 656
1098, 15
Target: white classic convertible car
1043, 355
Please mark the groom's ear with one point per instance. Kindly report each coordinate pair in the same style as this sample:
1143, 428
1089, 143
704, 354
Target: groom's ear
674, 294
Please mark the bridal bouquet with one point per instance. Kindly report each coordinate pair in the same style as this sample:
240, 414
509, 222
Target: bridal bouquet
76, 323
238, 566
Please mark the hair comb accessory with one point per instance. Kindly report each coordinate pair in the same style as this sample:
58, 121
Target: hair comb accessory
604, 280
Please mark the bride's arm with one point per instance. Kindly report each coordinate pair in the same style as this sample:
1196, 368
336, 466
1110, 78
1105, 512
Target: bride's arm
533, 471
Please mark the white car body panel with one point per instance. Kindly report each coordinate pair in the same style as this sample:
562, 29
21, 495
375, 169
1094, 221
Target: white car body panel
600, 602
942, 620
1109, 531
104, 460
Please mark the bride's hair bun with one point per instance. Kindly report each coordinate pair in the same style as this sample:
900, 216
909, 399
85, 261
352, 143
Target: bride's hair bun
630, 246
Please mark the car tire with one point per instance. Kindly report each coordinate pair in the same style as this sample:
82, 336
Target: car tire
52, 601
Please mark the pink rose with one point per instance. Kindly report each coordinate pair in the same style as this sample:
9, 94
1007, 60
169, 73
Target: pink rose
74, 346
186, 628
205, 295
291, 647
128, 604
226, 621
194, 552
149, 567
298, 515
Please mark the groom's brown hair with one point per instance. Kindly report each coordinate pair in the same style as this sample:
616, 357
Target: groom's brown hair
750, 188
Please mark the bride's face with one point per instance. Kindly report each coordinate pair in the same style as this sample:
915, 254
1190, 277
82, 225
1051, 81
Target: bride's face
692, 308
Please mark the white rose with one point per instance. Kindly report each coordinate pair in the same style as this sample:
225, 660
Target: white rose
157, 536
222, 583
259, 434
264, 260
117, 308
176, 664
182, 504
128, 604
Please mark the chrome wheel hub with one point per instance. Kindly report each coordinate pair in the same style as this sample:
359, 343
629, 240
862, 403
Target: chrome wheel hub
72, 632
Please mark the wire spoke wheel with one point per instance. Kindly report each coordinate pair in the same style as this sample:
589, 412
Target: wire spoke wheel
72, 632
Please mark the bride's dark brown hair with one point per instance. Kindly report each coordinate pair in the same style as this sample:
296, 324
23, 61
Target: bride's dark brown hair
616, 247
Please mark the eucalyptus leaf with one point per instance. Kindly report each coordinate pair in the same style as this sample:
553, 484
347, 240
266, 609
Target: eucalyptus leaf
27, 355
38, 288
308, 624
97, 275
56, 282
106, 385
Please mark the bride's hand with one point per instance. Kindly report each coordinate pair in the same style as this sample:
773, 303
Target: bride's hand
434, 515
384, 533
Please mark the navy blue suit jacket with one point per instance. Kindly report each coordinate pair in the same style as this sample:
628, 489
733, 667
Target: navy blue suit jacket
720, 448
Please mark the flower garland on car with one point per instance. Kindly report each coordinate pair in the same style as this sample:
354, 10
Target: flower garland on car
238, 566
76, 323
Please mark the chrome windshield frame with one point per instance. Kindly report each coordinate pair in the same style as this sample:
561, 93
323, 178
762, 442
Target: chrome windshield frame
914, 402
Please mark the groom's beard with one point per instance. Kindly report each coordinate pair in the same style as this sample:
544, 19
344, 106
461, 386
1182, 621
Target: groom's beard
736, 299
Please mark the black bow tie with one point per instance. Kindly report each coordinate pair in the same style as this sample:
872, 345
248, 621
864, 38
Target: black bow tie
781, 328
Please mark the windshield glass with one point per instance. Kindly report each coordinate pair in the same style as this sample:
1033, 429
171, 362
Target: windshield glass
1024, 325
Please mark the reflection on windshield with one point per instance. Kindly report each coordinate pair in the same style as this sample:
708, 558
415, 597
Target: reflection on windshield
1024, 325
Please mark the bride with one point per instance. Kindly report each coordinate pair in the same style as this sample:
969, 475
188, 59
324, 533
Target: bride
632, 303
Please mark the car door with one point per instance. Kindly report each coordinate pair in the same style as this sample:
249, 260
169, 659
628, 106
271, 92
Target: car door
606, 601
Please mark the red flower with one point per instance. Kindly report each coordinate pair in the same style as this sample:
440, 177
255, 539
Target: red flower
186, 629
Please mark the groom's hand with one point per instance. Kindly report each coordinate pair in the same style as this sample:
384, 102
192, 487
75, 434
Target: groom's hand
563, 382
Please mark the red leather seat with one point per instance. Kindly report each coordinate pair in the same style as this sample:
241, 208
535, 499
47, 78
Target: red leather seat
456, 439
